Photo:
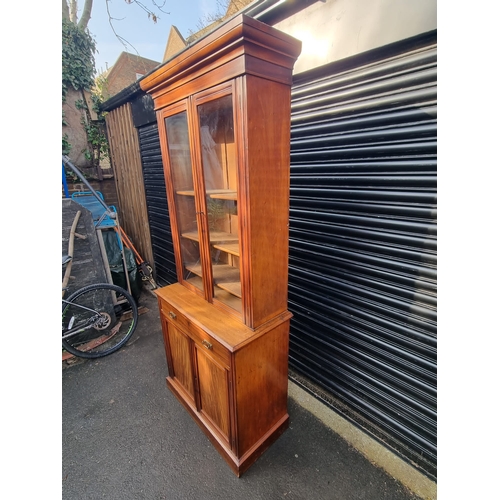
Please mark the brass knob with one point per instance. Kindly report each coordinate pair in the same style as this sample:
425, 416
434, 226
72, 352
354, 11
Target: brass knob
206, 344
172, 315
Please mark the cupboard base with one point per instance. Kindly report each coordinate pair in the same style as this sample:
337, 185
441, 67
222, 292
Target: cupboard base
238, 465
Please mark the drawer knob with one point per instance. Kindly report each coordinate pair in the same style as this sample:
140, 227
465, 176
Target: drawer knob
172, 315
206, 344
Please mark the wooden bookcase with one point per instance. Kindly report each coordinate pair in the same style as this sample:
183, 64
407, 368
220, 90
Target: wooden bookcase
223, 110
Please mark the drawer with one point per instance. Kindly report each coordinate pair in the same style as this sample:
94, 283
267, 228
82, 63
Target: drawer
174, 316
208, 343
201, 338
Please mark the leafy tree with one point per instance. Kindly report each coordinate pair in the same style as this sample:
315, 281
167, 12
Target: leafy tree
78, 65
78, 73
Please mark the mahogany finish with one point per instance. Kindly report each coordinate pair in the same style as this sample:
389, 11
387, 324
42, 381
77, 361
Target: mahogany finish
231, 378
223, 111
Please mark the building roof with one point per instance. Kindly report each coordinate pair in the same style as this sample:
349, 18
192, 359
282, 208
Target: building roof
126, 70
263, 10
176, 42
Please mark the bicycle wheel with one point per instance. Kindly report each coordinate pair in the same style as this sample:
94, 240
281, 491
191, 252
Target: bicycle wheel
97, 320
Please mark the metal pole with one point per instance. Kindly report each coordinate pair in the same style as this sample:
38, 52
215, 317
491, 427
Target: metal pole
65, 184
67, 161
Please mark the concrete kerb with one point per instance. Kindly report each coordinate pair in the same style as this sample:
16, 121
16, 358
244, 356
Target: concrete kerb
380, 456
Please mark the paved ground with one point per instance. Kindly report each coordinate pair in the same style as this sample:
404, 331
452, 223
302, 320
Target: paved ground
125, 436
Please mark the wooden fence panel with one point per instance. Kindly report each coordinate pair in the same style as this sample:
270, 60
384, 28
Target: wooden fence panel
127, 167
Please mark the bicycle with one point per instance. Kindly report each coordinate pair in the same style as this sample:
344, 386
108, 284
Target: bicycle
97, 320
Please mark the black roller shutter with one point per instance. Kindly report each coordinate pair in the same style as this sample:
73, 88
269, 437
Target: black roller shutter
363, 242
156, 201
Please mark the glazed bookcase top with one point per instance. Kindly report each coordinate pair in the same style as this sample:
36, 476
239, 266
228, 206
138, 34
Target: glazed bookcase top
241, 46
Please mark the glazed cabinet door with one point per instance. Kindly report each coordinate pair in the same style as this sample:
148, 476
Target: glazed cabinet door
215, 141
201, 162
183, 204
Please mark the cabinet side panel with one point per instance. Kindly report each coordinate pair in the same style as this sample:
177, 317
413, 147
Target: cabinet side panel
261, 379
268, 177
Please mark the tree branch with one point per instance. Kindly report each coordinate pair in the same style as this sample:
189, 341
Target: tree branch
87, 10
73, 11
152, 15
65, 10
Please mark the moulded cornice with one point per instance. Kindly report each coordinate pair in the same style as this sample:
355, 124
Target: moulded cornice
242, 38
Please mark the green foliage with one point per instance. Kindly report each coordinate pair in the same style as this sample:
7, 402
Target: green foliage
96, 134
78, 63
99, 92
66, 146
78, 71
98, 142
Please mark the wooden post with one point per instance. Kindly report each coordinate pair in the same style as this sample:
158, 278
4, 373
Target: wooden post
67, 273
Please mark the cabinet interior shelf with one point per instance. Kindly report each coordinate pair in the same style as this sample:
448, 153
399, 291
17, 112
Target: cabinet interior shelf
228, 195
219, 194
232, 248
225, 277
215, 237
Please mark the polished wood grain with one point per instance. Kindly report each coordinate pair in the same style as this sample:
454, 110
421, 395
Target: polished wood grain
226, 342
240, 375
223, 52
180, 353
268, 188
213, 380
262, 376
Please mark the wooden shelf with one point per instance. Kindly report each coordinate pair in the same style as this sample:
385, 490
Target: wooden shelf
215, 237
220, 194
196, 281
226, 195
233, 288
225, 277
232, 248
229, 299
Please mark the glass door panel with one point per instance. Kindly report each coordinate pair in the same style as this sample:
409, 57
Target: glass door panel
184, 197
219, 162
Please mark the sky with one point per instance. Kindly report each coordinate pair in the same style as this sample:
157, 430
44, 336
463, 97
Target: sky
142, 35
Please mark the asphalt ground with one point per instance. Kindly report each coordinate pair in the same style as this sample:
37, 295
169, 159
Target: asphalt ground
126, 436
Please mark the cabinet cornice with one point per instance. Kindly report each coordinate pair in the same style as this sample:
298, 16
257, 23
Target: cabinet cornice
240, 44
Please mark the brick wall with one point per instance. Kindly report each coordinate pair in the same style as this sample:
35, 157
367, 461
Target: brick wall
107, 187
88, 264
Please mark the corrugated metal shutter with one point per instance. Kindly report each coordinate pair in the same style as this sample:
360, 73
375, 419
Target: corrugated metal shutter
156, 201
363, 242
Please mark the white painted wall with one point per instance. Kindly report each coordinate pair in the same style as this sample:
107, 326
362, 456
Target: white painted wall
331, 30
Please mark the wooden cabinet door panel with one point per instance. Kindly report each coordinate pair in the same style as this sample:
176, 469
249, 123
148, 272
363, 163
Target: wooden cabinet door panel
213, 382
180, 348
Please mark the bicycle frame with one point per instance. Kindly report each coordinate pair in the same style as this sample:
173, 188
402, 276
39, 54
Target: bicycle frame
88, 324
